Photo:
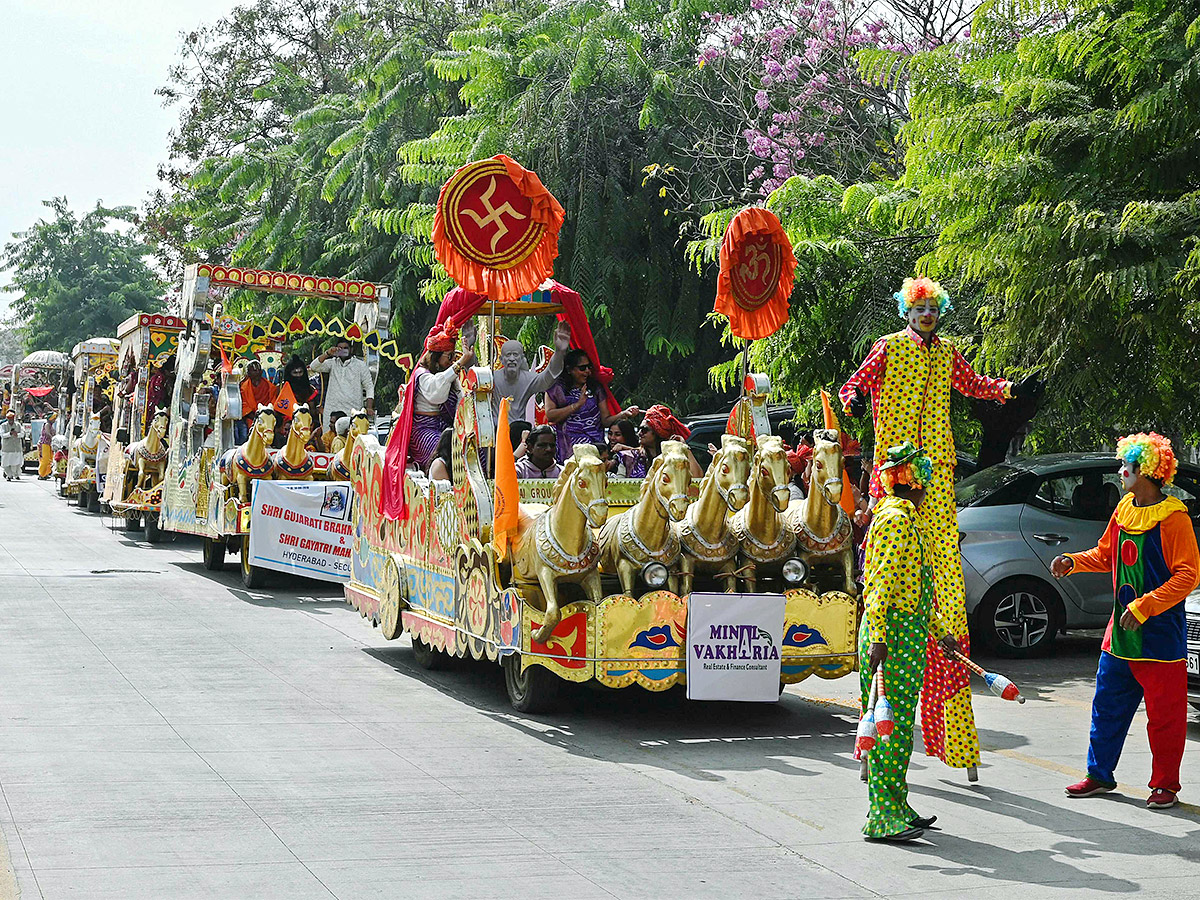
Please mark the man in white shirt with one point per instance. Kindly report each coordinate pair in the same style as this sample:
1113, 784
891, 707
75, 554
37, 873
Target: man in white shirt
540, 459
350, 385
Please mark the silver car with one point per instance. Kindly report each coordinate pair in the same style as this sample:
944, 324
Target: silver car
1014, 518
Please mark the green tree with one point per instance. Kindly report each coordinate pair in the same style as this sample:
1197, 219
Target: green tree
1060, 172
78, 277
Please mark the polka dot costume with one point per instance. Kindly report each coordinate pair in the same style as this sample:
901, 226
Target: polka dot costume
910, 383
897, 612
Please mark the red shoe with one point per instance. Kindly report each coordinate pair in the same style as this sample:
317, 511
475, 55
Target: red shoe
1161, 799
1089, 787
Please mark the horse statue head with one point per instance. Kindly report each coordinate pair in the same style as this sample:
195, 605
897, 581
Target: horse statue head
772, 471
302, 424
160, 422
826, 477
668, 480
585, 477
730, 470
266, 420
360, 423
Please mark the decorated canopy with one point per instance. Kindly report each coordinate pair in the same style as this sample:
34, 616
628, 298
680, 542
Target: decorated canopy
46, 359
495, 229
758, 270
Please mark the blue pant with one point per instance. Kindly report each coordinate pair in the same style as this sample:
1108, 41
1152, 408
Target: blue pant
1120, 686
241, 431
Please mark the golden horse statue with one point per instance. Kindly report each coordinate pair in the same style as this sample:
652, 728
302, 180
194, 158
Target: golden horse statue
149, 455
823, 531
555, 544
252, 460
643, 534
339, 466
709, 546
293, 463
766, 541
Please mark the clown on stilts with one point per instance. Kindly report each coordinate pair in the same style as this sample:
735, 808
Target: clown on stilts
1149, 547
899, 618
908, 377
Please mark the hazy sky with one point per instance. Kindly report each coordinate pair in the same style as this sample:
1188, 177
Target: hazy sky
78, 114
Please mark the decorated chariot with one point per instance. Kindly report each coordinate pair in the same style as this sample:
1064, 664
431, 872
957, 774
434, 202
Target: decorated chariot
587, 577
37, 388
137, 453
210, 480
93, 365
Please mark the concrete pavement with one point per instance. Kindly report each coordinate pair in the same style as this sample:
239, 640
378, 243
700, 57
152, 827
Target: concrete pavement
165, 733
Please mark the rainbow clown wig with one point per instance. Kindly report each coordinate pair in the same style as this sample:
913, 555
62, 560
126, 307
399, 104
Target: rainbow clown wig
908, 465
1151, 453
922, 288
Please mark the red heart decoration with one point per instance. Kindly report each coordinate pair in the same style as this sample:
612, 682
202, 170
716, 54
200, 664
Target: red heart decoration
354, 332
296, 324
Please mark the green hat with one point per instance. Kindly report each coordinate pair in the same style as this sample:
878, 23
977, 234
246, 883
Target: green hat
901, 455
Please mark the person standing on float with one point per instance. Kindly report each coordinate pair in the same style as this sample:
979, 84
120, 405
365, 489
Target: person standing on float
909, 376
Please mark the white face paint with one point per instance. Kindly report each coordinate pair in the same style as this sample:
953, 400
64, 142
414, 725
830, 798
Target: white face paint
923, 316
1129, 476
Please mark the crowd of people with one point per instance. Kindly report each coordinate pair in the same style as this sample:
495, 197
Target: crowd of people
332, 387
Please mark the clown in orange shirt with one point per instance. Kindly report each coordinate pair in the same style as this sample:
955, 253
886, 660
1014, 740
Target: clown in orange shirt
1150, 549
909, 376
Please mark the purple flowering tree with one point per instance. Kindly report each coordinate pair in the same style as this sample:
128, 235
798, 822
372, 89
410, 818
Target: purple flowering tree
785, 95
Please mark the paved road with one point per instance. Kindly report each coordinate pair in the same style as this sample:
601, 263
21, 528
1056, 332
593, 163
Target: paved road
166, 734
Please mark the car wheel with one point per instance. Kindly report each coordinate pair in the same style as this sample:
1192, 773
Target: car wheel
1018, 617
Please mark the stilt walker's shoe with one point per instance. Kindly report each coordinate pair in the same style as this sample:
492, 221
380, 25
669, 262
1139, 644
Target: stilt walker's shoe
1089, 787
900, 837
922, 822
1161, 799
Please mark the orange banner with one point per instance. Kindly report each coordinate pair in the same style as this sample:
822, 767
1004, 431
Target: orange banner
507, 499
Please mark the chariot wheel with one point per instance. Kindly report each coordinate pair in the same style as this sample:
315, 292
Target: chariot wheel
428, 656
81, 499
132, 523
214, 554
93, 500
252, 576
153, 533
535, 690
389, 601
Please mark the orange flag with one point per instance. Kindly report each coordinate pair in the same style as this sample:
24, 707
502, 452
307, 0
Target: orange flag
507, 499
831, 423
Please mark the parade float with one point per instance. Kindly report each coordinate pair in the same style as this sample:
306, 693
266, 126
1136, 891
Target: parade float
137, 453
93, 370
36, 386
590, 577
214, 487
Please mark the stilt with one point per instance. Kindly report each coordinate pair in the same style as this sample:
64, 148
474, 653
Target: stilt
972, 774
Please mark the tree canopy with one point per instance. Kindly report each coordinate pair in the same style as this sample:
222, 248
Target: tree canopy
78, 277
1040, 158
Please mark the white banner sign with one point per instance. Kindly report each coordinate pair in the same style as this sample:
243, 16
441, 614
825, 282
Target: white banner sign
302, 527
734, 641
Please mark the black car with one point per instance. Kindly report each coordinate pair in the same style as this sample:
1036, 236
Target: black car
707, 428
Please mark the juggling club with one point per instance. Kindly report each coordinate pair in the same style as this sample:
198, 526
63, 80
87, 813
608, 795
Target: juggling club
885, 722
997, 684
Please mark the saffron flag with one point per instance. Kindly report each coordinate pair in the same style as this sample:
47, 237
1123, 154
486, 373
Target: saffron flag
226, 365
507, 500
831, 423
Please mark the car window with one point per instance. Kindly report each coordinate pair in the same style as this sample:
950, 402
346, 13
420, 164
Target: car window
1186, 487
1089, 494
997, 485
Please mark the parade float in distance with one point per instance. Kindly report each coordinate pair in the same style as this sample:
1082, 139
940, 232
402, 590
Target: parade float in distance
590, 577
137, 451
36, 387
92, 366
216, 487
